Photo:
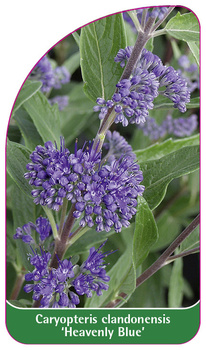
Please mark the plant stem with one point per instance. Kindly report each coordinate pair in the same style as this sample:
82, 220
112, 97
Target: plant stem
144, 16
159, 32
133, 16
182, 255
63, 214
142, 39
17, 286
61, 242
160, 262
80, 231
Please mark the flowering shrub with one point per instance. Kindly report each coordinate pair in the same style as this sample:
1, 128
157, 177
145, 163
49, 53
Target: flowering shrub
91, 199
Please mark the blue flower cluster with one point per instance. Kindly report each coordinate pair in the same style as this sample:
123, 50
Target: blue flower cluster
178, 127
53, 286
51, 78
134, 96
42, 227
43, 71
105, 195
123, 55
57, 174
110, 199
181, 127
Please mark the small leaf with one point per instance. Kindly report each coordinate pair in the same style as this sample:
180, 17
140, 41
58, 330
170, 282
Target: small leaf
175, 294
99, 43
176, 50
159, 173
73, 62
45, 117
184, 27
17, 159
194, 47
28, 90
145, 234
76, 37
192, 241
150, 45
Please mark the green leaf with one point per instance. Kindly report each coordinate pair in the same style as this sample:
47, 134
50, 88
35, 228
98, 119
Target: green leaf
45, 117
99, 43
176, 286
28, 90
194, 47
184, 27
159, 150
28, 129
160, 172
145, 234
17, 159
